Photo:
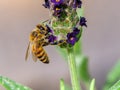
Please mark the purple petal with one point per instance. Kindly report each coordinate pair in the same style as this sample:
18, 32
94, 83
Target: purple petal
76, 30
83, 21
71, 38
52, 38
77, 3
57, 1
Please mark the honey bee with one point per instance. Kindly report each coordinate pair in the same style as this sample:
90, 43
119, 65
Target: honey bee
37, 39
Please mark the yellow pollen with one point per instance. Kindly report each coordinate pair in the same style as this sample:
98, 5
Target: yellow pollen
57, 9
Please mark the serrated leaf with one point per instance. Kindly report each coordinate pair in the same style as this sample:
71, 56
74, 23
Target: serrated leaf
92, 84
64, 86
112, 76
116, 86
11, 85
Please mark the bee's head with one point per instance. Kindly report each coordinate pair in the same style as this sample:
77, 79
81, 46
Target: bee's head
42, 28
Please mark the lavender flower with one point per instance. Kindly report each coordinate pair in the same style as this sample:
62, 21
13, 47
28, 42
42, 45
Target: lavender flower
76, 30
57, 10
51, 38
77, 3
83, 21
71, 38
64, 17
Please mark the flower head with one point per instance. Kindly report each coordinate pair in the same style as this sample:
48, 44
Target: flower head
71, 38
83, 21
57, 1
47, 4
77, 3
64, 17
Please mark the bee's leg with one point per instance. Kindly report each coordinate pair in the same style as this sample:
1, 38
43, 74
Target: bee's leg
58, 42
45, 43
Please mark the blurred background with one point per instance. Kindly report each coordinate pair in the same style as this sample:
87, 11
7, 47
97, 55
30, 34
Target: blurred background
100, 43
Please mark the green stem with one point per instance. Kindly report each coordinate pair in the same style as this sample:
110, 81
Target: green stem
73, 69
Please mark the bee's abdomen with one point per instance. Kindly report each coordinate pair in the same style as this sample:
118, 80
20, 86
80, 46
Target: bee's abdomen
42, 55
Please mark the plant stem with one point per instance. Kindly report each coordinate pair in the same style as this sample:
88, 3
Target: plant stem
73, 70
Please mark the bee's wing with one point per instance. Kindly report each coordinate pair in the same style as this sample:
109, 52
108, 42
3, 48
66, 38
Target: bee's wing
27, 51
34, 57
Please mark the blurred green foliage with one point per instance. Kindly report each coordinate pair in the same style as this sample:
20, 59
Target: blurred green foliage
64, 86
11, 85
113, 76
92, 84
116, 86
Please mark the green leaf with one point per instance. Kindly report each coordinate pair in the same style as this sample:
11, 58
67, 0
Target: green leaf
11, 85
113, 76
92, 84
63, 86
116, 86
83, 70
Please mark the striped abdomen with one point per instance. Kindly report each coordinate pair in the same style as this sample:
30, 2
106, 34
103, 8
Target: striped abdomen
40, 53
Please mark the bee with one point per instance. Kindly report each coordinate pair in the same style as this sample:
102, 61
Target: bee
37, 39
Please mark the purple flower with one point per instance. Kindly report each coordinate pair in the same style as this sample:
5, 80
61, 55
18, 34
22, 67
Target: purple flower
47, 4
76, 31
57, 10
77, 3
52, 38
83, 21
71, 38
57, 1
